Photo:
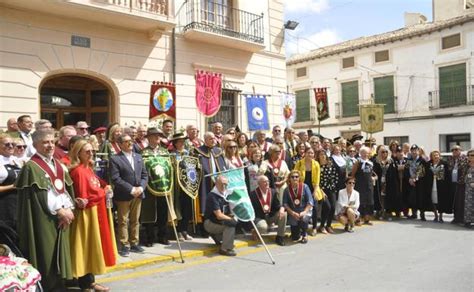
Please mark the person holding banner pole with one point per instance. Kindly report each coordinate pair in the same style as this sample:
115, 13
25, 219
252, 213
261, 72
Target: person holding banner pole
154, 208
298, 202
268, 209
218, 220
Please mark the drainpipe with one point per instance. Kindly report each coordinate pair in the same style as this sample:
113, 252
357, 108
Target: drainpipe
173, 55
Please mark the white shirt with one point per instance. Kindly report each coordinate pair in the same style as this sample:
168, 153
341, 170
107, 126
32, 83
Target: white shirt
7, 160
344, 200
30, 150
56, 201
129, 157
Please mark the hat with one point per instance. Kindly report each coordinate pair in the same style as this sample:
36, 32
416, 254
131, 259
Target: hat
456, 147
154, 131
100, 130
336, 140
414, 146
355, 137
178, 136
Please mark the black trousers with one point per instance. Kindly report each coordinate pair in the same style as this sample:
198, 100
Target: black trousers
299, 230
328, 208
161, 221
86, 281
186, 212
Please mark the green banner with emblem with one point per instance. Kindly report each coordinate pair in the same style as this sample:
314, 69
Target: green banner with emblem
160, 174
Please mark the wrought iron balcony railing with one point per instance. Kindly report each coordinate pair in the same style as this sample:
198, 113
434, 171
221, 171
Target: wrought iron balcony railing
451, 97
225, 20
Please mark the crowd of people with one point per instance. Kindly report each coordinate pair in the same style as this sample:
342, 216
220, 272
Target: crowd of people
67, 191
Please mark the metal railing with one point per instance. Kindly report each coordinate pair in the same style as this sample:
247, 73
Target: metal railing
160, 7
451, 97
224, 20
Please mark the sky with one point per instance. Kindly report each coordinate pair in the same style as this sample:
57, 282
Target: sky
327, 22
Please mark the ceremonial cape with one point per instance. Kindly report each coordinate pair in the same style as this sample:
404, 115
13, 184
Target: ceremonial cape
45, 247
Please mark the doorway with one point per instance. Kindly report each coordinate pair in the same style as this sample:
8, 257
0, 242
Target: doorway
67, 99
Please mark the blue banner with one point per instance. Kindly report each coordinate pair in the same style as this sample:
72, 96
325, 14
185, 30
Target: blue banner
257, 114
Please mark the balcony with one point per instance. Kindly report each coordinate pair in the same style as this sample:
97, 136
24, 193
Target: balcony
140, 15
451, 97
223, 25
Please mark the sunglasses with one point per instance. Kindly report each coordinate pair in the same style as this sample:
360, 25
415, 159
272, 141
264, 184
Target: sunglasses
384, 151
232, 146
9, 145
295, 176
21, 146
83, 129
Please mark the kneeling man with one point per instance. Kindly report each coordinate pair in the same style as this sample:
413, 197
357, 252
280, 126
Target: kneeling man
218, 220
268, 209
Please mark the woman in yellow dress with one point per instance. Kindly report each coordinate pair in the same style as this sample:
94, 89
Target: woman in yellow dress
93, 246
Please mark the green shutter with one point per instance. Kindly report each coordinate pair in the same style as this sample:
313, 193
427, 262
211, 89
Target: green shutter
302, 106
383, 91
452, 85
350, 99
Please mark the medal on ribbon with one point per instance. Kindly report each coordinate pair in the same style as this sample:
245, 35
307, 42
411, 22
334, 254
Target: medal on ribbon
265, 203
296, 198
57, 180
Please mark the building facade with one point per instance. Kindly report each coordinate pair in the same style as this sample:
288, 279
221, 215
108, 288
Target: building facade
95, 60
423, 73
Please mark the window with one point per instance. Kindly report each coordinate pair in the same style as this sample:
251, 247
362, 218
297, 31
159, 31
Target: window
400, 139
451, 41
446, 142
350, 99
302, 106
217, 12
348, 62
383, 91
301, 72
382, 56
227, 114
452, 85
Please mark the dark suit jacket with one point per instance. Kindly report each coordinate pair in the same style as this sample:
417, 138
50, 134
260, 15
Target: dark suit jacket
124, 178
274, 208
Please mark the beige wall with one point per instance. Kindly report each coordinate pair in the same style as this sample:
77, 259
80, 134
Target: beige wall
35, 46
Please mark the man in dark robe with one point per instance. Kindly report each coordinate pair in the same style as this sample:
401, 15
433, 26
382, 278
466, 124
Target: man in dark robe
212, 161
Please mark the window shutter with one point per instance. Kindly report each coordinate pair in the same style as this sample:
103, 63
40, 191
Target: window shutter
382, 56
452, 85
350, 99
302, 106
348, 62
383, 91
451, 41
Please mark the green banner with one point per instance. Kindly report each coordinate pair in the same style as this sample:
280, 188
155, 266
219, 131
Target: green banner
160, 174
238, 197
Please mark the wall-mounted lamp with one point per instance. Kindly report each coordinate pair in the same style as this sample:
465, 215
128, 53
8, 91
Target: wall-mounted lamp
291, 24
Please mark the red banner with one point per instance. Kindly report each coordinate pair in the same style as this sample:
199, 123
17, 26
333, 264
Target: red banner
208, 92
321, 95
162, 101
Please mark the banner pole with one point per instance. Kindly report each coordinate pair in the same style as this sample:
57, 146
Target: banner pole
174, 228
261, 240
193, 206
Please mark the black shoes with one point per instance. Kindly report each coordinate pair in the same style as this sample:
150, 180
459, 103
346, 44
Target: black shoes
280, 240
137, 249
164, 241
227, 252
304, 240
124, 251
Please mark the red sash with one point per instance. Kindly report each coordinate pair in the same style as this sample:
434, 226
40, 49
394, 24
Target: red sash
275, 168
264, 147
296, 198
57, 180
266, 204
116, 148
140, 144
